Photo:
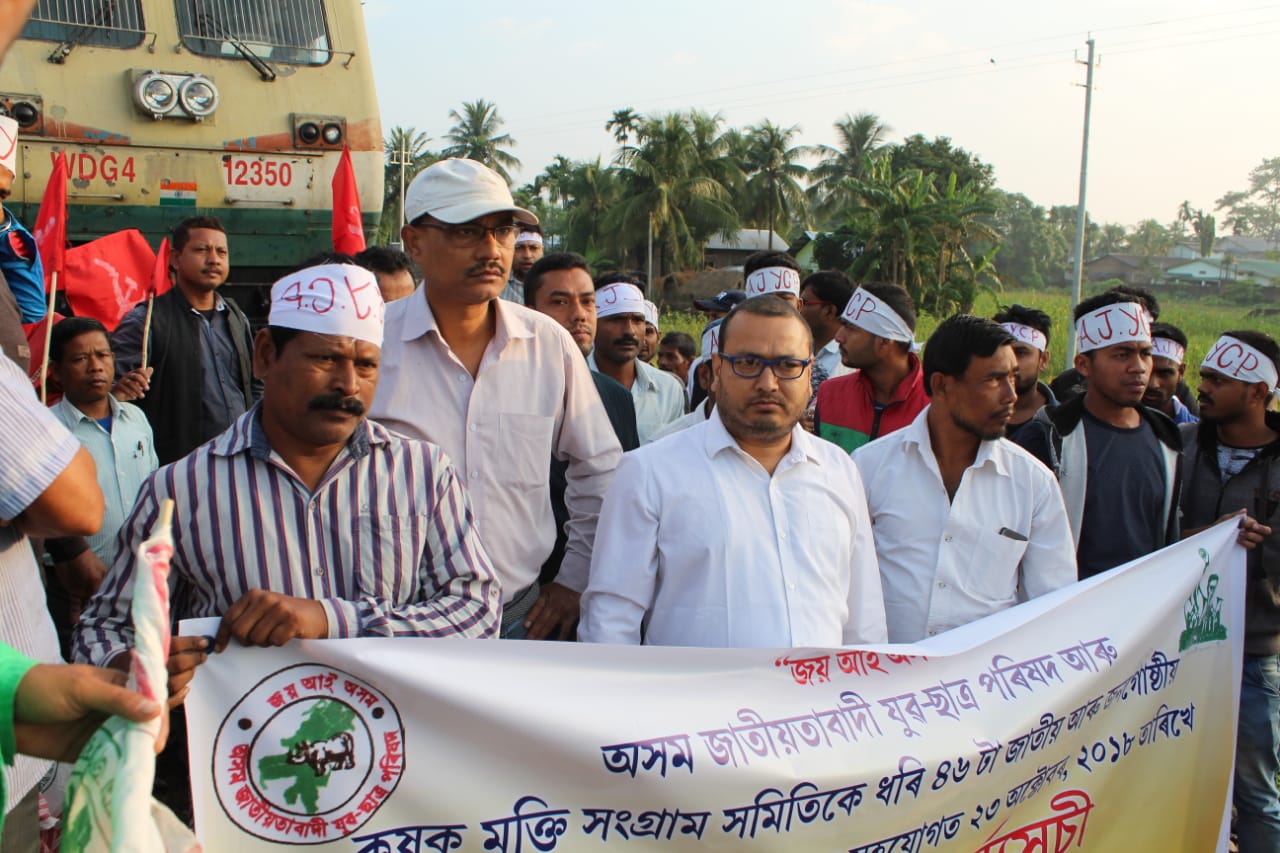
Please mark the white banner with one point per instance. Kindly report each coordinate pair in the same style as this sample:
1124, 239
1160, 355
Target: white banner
1100, 717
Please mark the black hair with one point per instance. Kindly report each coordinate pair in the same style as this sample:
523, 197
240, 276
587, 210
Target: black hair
70, 328
955, 343
769, 305
280, 335
683, 342
761, 260
830, 286
1170, 332
616, 277
1025, 316
526, 227
1260, 341
1117, 295
553, 262
182, 231
383, 259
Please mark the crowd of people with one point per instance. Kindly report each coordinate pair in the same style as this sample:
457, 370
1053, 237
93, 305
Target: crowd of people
489, 452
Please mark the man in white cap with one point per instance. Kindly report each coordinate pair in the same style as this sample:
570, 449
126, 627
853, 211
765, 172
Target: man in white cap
527, 251
22, 295
772, 273
742, 531
886, 391
1117, 461
620, 324
501, 388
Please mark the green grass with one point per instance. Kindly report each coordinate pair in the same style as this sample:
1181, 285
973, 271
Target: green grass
1202, 318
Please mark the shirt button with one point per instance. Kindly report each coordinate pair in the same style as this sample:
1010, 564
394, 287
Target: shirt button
462, 377
319, 572
941, 585
473, 427
946, 538
791, 587
312, 506
932, 633
782, 535
475, 475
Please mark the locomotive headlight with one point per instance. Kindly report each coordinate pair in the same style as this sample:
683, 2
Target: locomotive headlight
155, 94
198, 96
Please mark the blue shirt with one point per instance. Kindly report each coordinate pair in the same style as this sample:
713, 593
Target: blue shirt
223, 396
125, 456
1181, 414
25, 276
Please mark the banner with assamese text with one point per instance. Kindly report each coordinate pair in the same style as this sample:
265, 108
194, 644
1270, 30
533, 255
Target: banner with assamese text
1101, 717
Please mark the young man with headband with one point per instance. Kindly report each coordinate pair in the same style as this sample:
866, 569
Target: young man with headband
1030, 329
527, 251
772, 273
886, 391
1168, 365
1230, 462
1118, 462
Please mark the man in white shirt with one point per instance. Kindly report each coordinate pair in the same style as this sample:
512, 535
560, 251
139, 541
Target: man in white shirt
742, 531
620, 330
965, 523
499, 387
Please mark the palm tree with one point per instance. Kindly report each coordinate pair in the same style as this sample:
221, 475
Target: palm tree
476, 135
1204, 224
1111, 239
861, 140
623, 125
772, 191
408, 144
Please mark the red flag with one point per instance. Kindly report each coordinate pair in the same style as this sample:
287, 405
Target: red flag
161, 280
51, 223
107, 277
36, 335
348, 230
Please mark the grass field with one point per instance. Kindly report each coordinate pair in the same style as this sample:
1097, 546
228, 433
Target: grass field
1203, 319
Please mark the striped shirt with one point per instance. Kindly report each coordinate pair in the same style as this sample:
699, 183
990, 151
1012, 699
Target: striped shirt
386, 543
35, 450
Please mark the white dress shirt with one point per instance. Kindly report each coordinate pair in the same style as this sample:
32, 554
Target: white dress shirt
945, 563
532, 398
682, 423
699, 546
658, 395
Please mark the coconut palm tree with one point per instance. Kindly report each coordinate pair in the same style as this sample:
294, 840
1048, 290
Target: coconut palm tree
408, 144
861, 139
477, 136
772, 192
623, 125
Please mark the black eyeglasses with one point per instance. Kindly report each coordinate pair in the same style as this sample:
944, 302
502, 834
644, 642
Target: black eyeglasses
469, 235
751, 366
804, 302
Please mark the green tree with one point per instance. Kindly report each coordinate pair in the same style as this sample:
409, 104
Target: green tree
1032, 250
939, 158
860, 139
1255, 212
1149, 239
1111, 239
623, 126
412, 145
477, 135
774, 197
1203, 224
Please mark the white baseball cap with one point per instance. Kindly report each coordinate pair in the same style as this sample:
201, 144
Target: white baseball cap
457, 191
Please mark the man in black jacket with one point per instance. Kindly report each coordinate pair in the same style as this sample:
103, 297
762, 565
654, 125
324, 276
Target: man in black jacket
200, 346
1232, 464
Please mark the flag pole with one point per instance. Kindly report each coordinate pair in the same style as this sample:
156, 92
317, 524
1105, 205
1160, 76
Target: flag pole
146, 326
48, 339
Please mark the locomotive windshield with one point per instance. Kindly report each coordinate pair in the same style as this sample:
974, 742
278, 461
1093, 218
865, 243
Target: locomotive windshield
102, 23
291, 31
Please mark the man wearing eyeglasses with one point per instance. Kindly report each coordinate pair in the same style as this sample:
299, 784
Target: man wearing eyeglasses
500, 388
743, 530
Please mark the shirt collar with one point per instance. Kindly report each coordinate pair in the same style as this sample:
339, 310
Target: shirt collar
218, 304
916, 434
716, 438
114, 410
512, 321
246, 435
832, 348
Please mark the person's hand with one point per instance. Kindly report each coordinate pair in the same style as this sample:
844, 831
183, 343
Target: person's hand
263, 618
134, 385
1252, 531
556, 610
59, 706
185, 654
80, 577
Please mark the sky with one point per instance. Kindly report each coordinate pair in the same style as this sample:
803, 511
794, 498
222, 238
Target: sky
1183, 106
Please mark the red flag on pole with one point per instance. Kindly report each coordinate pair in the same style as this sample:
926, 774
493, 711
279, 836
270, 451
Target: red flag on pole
107, 277
348, 229
51, 223
161, 280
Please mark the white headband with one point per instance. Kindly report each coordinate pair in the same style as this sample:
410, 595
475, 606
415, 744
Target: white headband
333, 299
528, 237
1233, 357
651, 313
1027, 335
870, 314
1118, 323
710, 340
9, 144
773, 280
619, 298
1168, 348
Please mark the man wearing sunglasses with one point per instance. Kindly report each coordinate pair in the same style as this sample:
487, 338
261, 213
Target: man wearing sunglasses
743, 530
500, 388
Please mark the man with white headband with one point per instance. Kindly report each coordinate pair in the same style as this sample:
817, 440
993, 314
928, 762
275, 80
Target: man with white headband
772, 273
1232, 464
528, 250
823, 296
22, 295
700, 381
305, 519
1030, 330
501, 388
1168, 365
652, 334
620, 327
886, 390
1118, 462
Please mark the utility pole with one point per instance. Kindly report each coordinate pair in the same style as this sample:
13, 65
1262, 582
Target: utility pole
1081, 216
648, 273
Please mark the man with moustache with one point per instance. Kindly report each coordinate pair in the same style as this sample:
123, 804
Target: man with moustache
965, 524
1117, 461
502, 389
744, 530
1168, 366
652, 334
1030, 328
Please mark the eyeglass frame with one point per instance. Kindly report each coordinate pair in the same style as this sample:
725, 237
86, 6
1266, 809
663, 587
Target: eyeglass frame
451, 232
771, 363
804, 302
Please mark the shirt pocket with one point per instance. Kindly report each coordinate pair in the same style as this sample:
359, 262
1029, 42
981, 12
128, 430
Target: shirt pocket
522, 458
993, 571
389, 555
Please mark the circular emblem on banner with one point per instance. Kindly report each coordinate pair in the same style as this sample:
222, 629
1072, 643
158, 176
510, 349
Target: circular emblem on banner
307, 756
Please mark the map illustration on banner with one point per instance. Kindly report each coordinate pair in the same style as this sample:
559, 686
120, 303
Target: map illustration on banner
1061, 724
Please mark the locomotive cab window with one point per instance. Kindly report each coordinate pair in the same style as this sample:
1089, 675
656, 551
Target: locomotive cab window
101, 23
290, 31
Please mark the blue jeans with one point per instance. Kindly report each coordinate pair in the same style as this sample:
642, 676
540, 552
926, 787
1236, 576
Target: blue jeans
1258, 756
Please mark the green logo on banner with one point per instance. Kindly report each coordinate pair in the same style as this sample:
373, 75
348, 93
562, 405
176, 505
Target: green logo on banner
324, 743
1203, 613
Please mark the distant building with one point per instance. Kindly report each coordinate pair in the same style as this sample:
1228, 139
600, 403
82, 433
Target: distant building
1137, 270
731, 252
1218, 271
